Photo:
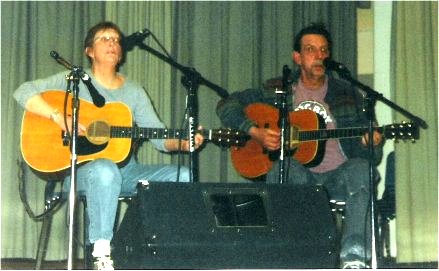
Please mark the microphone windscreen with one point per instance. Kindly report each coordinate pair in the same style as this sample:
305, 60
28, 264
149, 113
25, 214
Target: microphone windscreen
329, 64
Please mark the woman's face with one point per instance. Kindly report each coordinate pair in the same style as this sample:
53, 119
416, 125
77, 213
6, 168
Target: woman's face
106, 48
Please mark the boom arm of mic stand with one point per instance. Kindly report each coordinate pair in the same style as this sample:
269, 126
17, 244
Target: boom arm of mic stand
191, 81
220, 91
378, 96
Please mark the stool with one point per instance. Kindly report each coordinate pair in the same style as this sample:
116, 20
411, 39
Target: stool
55, 200
386, 208
383, 216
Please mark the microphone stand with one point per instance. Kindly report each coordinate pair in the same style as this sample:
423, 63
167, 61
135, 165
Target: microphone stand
283, 123
371, 97
191, 80
74, 77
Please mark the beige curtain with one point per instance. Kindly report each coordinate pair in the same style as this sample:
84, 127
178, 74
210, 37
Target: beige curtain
227, 48
152, 73
240, 44
30, 30
415, 55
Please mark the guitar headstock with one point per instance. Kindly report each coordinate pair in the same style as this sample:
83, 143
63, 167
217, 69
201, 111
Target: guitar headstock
404, 130
226, 137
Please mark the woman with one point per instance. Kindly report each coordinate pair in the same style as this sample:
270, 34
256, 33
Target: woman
102, 180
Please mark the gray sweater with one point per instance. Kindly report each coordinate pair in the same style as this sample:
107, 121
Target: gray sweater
130, 93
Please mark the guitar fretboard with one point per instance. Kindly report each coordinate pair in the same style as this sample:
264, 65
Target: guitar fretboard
333, 133
146, 133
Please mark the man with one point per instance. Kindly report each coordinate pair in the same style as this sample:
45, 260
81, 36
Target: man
101, 180
343, 170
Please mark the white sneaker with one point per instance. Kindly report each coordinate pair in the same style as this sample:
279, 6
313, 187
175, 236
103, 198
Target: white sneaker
356, 264
103, 263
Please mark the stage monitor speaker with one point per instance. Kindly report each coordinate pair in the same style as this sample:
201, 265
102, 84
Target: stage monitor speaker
226, 226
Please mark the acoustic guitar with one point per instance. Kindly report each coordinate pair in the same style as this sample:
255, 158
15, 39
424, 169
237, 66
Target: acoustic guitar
306, 141
109, 134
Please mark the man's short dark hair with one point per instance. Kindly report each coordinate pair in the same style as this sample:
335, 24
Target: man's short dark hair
313, 28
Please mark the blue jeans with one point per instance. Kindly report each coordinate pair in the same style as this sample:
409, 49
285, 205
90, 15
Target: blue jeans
348, 182
102, 181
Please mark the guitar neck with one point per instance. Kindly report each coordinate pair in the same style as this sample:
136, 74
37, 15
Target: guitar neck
225, 137
146, 133
323, 134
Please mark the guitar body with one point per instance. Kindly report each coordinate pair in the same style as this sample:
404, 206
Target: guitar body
252, 160
308, 153
42, 140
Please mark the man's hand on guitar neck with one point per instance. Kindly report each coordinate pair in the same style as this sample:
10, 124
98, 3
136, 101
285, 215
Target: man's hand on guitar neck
268, 138
377, 138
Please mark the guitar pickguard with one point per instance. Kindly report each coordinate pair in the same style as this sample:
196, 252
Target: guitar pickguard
85, 147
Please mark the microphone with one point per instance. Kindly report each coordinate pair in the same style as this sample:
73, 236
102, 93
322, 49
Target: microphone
98, 99
61, 60
335, 66
129, 42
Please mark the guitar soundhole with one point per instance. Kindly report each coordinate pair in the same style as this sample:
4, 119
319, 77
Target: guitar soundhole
98, 132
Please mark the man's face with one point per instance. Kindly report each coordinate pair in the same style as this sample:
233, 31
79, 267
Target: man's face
314, 49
